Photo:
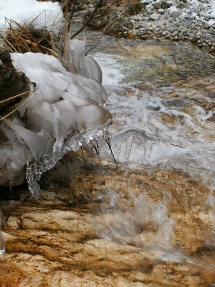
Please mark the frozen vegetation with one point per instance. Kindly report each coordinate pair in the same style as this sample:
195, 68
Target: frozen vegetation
65, 107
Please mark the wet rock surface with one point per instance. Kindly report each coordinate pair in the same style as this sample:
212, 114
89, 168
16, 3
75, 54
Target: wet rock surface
77, 235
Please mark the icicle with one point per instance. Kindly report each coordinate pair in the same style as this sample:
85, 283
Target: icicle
66, 61
85, 65
49, 159
9, 134
2, 242
77, 53
37, 143
2, 220
128, 147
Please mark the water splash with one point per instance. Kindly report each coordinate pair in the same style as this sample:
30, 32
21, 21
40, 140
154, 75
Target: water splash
126, 220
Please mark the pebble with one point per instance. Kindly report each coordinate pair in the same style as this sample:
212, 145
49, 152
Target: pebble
161, 11
154, 16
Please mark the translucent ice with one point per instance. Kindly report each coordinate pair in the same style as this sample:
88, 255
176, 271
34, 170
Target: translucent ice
37, 143
2, 220
65, 110
84, 65
2, 242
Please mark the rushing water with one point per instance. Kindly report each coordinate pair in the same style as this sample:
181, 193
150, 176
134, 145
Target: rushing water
168, 124
162, 99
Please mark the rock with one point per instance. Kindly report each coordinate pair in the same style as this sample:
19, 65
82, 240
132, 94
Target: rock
66, 239
150, 8
144, 37
161, 11
166, 5
139, 26
161, 4
174, 12
135, 18
172, 29
158, 4
146, 2
154, 16
181, 5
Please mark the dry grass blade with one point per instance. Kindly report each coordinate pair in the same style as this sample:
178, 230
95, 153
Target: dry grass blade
11, 98
11, 48
7, 115
44, 11
15, 38
51, 52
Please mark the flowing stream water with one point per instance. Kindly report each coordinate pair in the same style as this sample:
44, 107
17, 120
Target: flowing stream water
162, 98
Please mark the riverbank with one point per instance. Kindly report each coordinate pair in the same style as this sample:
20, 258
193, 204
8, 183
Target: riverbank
189, 21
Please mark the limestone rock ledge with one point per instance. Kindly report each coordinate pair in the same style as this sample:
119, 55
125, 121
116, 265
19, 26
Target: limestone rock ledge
52, 242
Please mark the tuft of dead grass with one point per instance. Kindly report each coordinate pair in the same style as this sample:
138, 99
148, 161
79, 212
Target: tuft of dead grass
25, 38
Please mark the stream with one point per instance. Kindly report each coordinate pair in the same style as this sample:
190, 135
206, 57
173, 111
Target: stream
162, 98
149, 218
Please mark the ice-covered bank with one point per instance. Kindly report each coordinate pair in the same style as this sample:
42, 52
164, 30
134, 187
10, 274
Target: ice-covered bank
64, 112
64, 109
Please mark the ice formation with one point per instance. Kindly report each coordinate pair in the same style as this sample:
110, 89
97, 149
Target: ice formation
2, 242
64, 111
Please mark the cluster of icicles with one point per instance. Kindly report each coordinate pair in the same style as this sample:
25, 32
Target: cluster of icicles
63, 112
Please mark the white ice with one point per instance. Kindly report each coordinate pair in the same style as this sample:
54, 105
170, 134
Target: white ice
62, 101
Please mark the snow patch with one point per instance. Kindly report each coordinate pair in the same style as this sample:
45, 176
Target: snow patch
46, 14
